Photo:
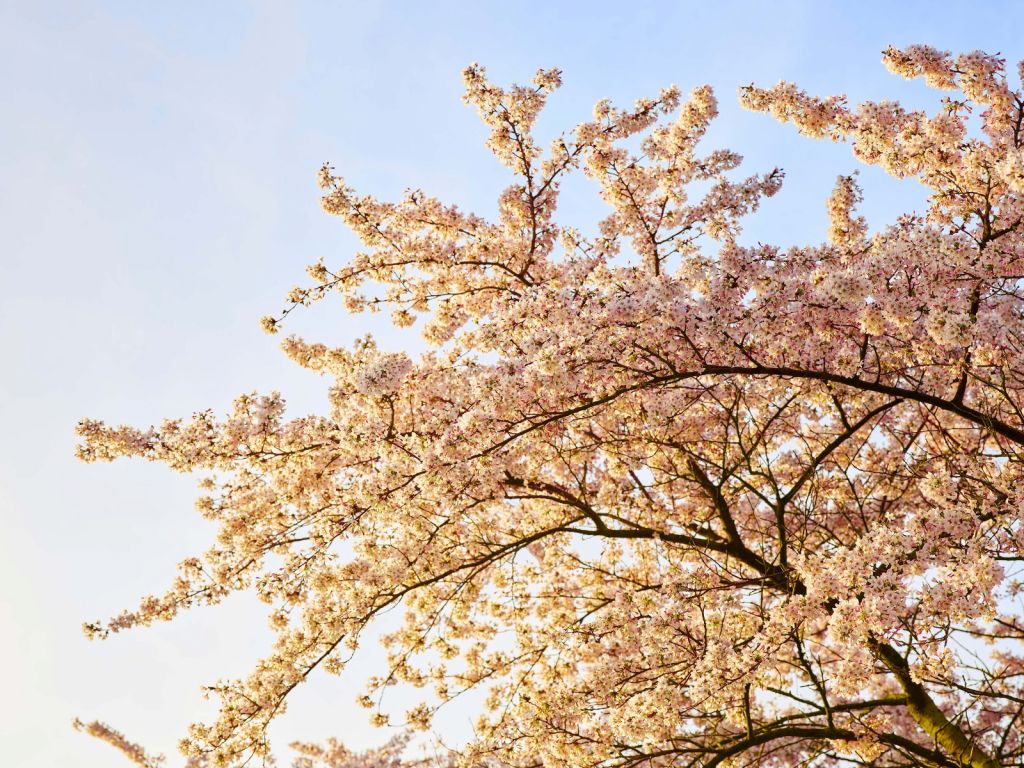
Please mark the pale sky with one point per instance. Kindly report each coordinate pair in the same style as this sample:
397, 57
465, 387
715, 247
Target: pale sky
157, 196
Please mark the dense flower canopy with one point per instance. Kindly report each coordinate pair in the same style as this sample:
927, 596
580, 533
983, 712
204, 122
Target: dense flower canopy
668, 498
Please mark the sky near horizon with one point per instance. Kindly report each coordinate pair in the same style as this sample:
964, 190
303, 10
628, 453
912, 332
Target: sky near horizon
158, 196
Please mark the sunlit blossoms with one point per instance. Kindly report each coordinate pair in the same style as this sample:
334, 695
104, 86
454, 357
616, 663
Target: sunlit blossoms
668, 497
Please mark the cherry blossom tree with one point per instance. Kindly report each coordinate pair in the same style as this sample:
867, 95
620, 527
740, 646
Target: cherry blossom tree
670, 499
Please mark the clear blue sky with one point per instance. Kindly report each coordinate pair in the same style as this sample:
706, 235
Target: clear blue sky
157, 196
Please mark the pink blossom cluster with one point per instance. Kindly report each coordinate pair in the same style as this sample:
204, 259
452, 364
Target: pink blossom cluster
665, 496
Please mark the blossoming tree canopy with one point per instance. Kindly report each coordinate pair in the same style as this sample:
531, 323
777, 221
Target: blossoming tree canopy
668, 498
